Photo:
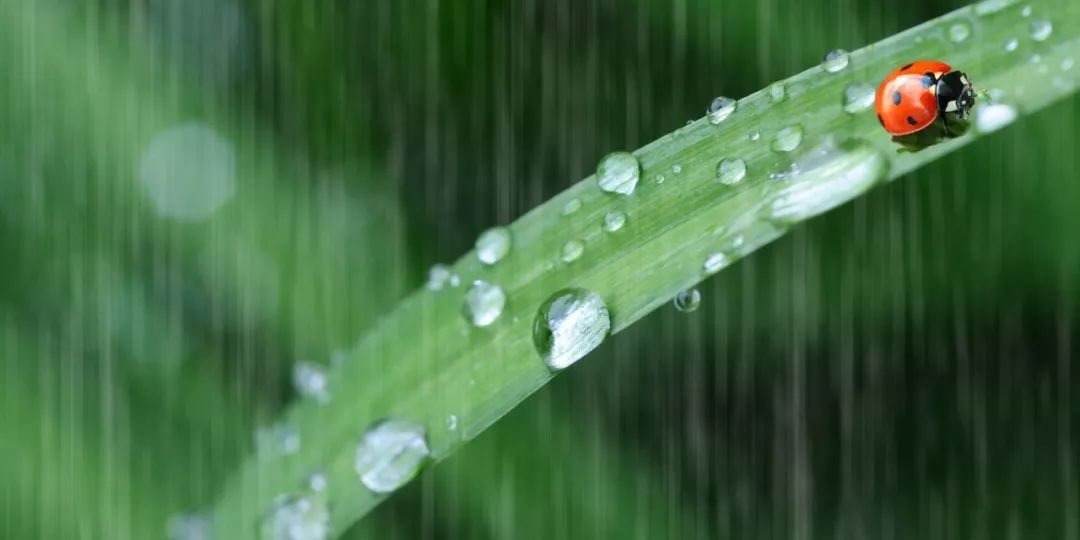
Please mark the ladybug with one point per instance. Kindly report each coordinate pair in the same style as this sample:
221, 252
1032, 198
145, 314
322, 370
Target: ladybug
914, 95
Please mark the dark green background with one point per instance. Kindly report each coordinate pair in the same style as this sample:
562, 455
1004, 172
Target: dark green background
900, 368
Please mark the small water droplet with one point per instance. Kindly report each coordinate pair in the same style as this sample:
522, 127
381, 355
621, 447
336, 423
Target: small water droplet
660, 179
676, 168
573, 205
189, 527
390, 454
483, 303
1026, 11
277, 439
959, 32
1067, 64
568, 325
835, 61
438, 276
451, 422
614, 220
730, 171
987, 7
687, 300
720, 109
690, 122
311, 382
572, 250
788, 139
754, 135
1012, 44
777, 92
618, 172
297, 517
714, 263
858, 97
454, 280
492, 245
991, 118
317, 482
1041, 29
738, 242
827, 177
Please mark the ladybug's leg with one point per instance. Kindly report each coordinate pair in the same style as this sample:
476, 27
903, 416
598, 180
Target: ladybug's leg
945, 120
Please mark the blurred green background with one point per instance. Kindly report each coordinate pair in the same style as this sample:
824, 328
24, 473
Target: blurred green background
900, 368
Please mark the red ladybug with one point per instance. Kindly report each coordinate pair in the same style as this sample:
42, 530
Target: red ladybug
913, 96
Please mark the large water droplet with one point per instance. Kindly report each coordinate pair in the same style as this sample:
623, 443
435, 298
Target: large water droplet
959, 32
827, 177
714, 263
777, 92
720, 109
483, 303
858, 97
571, 250
189, 527
618, 172
568, 325
614, 220
1012, 44
438, 276
730, 171
835, 61
1041, 29
687, 300
788, 139
297, 517
991, 118
188, 172
573, 205
311, 382
390, 454
492, 245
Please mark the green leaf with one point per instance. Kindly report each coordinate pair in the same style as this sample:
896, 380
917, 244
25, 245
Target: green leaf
424, 362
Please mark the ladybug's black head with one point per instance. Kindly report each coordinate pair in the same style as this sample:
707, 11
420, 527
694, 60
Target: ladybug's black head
955, 93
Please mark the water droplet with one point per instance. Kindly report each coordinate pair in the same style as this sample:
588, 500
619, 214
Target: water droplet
572, 250
189, 527
297, 517
991, 118
1012, 44
1067, 64
835, 61
437, 277
454, 280
714, 263
188, 172
959, 32
573, 205
858, 97
827, 177
730, 171
788, 139
996, 94
687, 300
991, 6
777, 92
390, 454
568, 325
311, 382
738, 242
451, 422
618, 172
676, 168
754, 135
317, 482
660, 179
720, 109
1041, 29
492, 245
483, 303
614, 220
278, 439
1026, 11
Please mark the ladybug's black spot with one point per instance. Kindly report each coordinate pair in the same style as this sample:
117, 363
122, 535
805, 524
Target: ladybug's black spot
911, 120
905, 68
882, 120
896, 97
927, 80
